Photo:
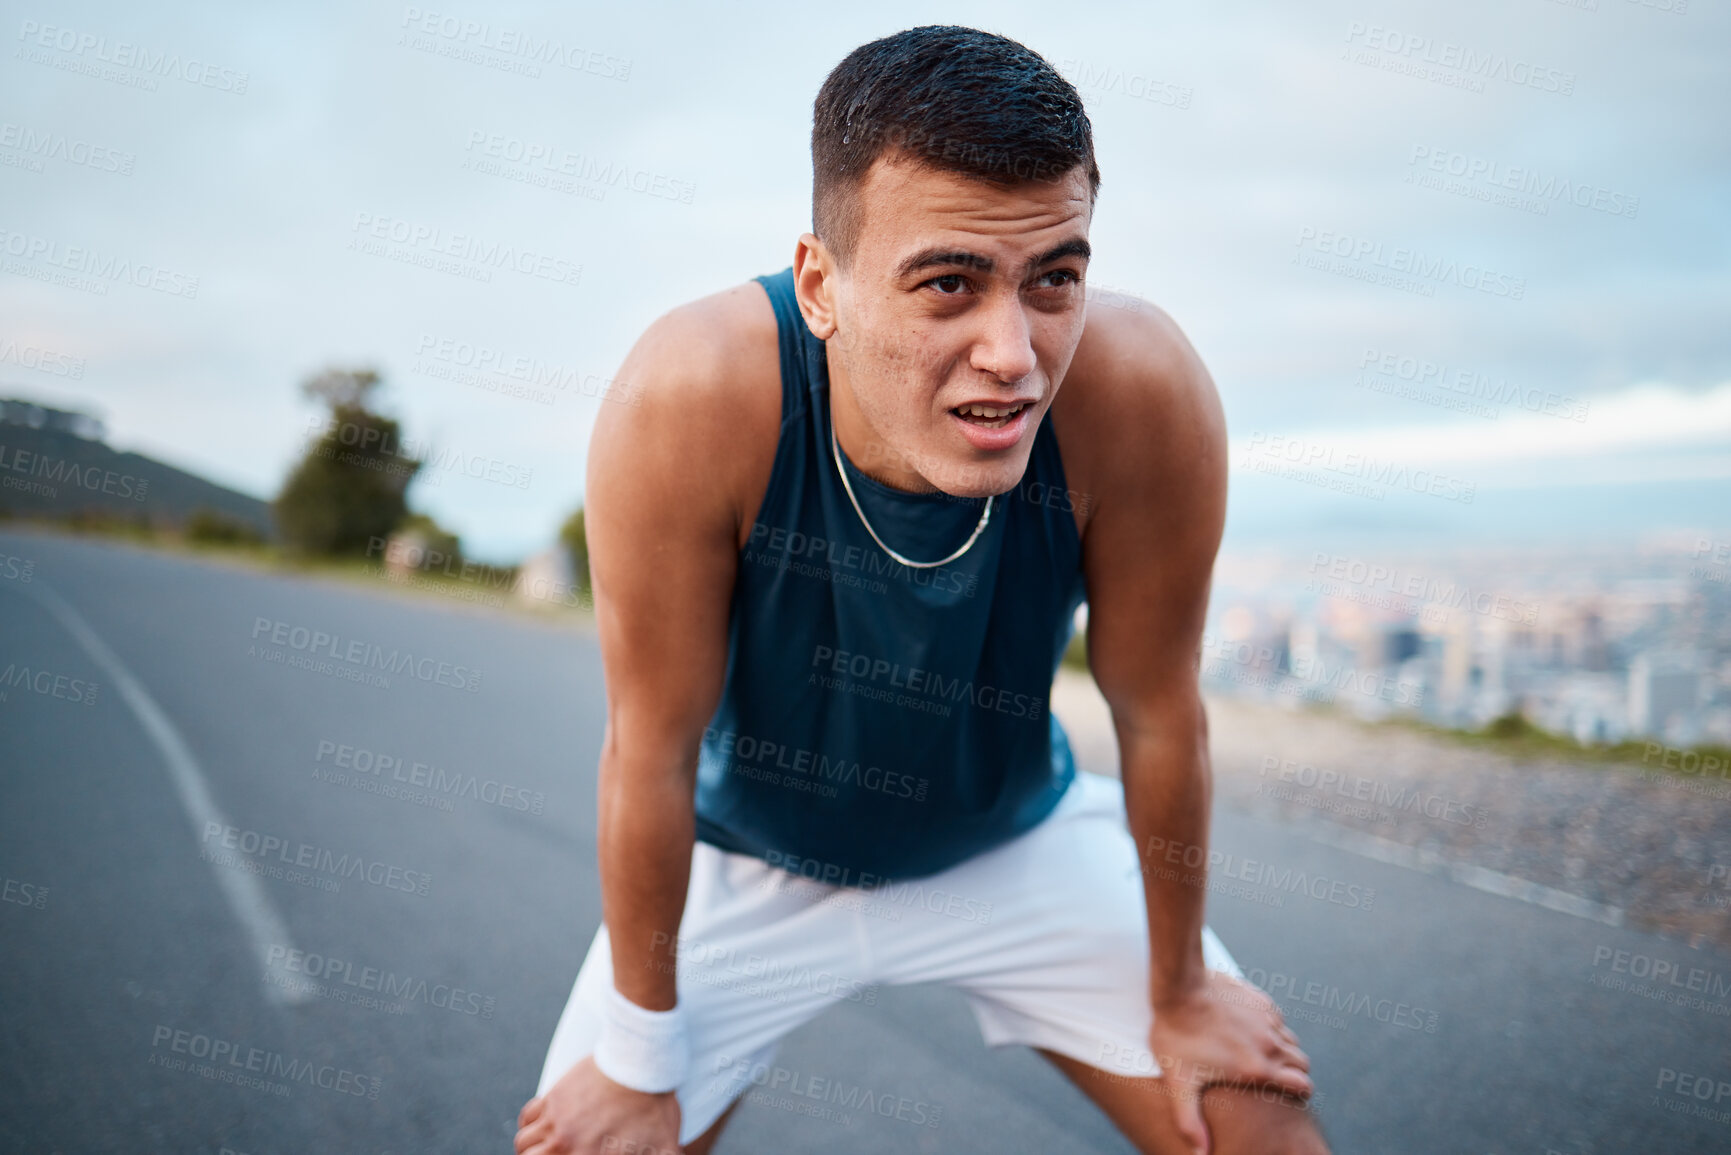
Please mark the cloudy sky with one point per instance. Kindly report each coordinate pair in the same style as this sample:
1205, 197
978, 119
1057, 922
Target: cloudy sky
1458, 269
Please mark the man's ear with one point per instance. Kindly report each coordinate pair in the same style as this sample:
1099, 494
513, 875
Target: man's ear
814, 285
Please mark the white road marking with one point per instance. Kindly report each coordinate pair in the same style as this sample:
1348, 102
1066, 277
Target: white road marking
1477, 877
1088, 720
246, 897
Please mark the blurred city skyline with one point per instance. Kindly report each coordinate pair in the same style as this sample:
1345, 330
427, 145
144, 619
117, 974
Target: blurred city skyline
1601, 644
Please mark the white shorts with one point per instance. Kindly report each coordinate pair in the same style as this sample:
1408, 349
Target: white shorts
1046, 936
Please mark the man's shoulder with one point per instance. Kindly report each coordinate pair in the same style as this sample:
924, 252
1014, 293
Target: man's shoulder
1137, 407
701, 432
1136, 372
709, 349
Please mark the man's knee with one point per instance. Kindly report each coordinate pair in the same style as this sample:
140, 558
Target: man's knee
1264, 1122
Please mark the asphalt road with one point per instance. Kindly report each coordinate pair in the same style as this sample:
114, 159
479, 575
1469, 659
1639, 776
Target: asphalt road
135, 940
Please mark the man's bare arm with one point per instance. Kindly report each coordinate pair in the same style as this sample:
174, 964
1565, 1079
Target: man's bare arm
663, 521
1148, 553
669, 480
1154, 422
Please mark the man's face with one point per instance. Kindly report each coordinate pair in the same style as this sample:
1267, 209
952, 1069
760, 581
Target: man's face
957, 319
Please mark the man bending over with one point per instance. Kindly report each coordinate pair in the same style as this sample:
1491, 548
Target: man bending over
837, 553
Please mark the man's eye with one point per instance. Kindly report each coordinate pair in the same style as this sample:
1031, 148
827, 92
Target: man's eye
950, 284
1057, 279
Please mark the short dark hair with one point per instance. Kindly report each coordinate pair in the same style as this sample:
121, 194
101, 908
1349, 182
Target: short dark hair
953, 98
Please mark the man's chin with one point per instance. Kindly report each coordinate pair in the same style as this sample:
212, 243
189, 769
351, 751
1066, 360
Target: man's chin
974, 480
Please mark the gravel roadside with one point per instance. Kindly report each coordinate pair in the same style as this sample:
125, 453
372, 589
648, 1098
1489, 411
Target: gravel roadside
1657, 847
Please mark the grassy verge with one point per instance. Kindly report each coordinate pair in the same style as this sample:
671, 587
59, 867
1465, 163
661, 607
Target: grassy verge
471, 583
1514, 735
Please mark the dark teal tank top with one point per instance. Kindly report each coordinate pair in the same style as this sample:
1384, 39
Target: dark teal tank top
880, 720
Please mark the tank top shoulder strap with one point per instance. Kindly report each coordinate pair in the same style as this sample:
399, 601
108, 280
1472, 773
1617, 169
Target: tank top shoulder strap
802, 354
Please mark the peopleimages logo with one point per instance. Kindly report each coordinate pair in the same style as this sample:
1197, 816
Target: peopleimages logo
927, 690
36, 146
407, 455
1451, 594
1443, 60
1470, 384
1245, 664
462, 253
1274, 449
82, 48
781, 765
88, 269
326, 976
261, 849
804, 1094
365, 656
47, 683
1138, 85
1657, 971
885, 891
1334, 1005
63, 472
1359, 788
447, 34
710, 961
557, 161
479, 359
229, 1061
40, 359
370, 765
846, 564
1543, 188
1401, 263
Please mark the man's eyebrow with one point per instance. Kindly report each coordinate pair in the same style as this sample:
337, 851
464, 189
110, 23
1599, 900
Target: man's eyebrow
940, 257
1073, 248
933, 258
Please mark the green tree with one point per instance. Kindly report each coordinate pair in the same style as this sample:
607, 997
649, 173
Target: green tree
208, 526
350, 487
576, 542
443, 548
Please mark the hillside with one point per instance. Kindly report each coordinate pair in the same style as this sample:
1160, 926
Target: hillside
49, 471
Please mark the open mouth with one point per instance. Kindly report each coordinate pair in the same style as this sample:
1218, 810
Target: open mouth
989, 416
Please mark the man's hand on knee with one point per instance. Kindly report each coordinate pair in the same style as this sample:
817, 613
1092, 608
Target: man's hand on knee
1226, 1032
586, 1113
1261, 1121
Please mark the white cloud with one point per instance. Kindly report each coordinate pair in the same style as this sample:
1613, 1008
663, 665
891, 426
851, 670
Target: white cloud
1648, 432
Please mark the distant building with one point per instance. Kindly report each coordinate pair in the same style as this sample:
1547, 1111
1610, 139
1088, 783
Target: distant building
34, 416
1398, 644
1664, 691
1588, 706
550, 577
406, 553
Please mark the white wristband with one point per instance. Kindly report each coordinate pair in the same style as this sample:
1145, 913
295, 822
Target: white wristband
644, 1050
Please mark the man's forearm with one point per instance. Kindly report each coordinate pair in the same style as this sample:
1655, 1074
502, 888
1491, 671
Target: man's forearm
1167, 792
645, 839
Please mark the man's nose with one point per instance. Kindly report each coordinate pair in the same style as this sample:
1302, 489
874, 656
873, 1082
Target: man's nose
1003, 347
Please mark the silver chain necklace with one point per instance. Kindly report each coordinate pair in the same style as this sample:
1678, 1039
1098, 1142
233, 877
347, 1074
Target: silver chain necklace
985, 514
